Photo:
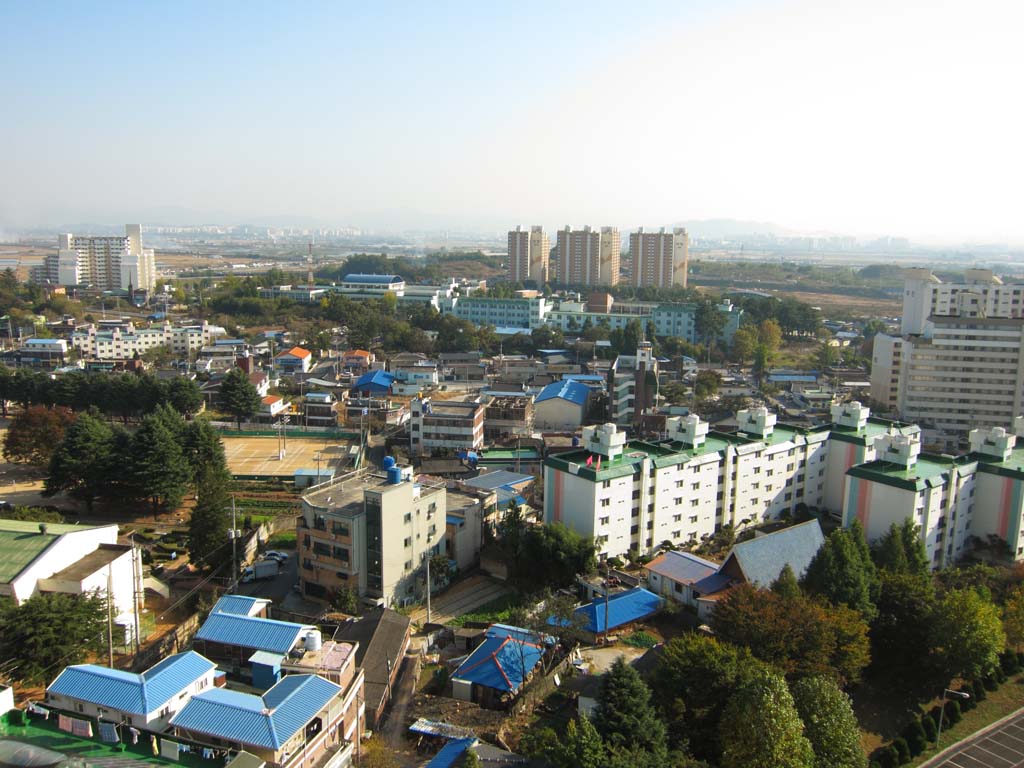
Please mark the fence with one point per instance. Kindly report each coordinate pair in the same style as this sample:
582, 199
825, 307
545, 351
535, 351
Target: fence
177, 639
294, 431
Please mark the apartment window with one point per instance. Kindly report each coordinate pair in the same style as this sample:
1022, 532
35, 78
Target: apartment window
408, 565
754, 501
679, 483
408, 517
604, 520
694, 502
695, 486
693, 518
320, 548
677, 500
407, 542
606, 484
757, 470
339, 529
340, 553
634, 529
606, 502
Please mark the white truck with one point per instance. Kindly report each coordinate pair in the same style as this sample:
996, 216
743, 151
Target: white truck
264, 569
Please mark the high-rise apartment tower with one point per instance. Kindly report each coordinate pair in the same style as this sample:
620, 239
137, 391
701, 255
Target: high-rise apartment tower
659, 259
528, 253
588, 257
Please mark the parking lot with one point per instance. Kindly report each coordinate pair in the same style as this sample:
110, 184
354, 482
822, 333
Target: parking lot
1002, 747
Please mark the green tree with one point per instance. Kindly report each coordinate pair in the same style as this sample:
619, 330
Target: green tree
829, 723
376, 754
761, 727
346, 600
35, 433
1013, 618
81, 463
209, 524
901, 549
786, 584
184, 396
626, 719
238, 396
744, 342
692, 682
551, 556
900, 640
159, 469
581, 747
708, 323
967, 634
842, 571
49, 630
706, 384
826, 356
203, 447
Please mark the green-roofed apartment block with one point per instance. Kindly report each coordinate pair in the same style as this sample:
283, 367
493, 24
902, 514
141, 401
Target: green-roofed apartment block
633, 494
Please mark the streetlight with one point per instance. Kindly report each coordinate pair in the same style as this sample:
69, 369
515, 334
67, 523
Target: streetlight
942, 710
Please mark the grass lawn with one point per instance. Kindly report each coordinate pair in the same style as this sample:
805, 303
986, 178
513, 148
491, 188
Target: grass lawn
883, 714
1009, 698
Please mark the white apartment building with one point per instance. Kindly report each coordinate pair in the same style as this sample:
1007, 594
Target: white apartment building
370, 531
528, 254
445, 424
637, 494
957, 501
122, 341
588, 256
104, 263
659, 258
957, 364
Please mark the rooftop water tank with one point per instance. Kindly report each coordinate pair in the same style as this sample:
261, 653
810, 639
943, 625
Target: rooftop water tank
389, 462
314, 640
394, 475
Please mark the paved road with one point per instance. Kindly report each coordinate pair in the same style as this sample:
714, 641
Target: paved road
1001, 747
275, 589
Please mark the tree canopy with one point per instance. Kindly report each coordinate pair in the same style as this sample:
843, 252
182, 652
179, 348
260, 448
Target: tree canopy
238, 396
35, 433
843, 573
761, 728
829, 723
967, 634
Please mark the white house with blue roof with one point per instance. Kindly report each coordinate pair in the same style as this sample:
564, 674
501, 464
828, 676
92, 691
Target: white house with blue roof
561, 406
146, 701
231, 639
297, 722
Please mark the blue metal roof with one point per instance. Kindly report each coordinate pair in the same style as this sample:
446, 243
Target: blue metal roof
372, 279
783, 378
502, 661
450, 753
376, 378
241, 605
762, 559
132, 692
681, 567
594, 377
251, 632
623, 608
267, 721
572, 391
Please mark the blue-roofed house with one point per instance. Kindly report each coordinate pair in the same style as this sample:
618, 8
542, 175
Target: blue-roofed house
561, 406
231, 639
242, 605
144, 700
602, 616
495, 672
451, 753
760, 560
673, 574
373, 384
300, 718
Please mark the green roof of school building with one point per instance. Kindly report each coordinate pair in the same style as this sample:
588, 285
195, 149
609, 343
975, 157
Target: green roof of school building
21, 542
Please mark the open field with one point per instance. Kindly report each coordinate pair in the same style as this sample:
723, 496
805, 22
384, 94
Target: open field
258, 455
854, 305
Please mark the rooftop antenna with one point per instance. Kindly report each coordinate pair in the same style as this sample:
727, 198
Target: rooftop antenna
309, 265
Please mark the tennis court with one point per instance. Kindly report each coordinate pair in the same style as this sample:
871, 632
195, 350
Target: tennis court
258, 456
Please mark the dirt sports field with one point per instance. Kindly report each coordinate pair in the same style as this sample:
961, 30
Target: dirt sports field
258, 455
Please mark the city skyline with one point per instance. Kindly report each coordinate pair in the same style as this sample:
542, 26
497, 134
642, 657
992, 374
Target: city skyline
815, 116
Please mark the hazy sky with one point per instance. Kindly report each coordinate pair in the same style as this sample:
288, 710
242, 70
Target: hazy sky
860, 117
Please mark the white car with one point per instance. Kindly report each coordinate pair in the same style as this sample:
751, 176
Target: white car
281, 557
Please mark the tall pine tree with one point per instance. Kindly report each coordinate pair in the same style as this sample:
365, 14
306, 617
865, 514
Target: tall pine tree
160, 471
626, 719
238, 396
208, 529
843, 573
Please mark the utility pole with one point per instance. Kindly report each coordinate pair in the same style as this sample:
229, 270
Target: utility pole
234, 547
428, 586
110, 617
136, 591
